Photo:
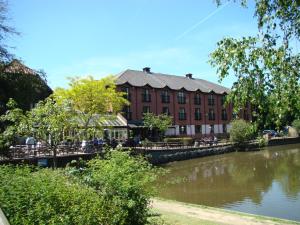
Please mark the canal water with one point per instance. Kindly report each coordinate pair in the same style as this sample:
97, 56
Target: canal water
265, 182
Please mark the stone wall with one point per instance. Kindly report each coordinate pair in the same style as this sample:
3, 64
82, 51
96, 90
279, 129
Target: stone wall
167, 155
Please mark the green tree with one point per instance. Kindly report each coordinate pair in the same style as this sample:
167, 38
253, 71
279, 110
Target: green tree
10, 122
296, 125
5, 30
161, 122
25, 88
88, 98
47, 122
240, 132
266, 66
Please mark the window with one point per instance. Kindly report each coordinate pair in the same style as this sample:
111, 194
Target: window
127, 113
127, 95
166, 110
165, 97
211, 114
146, 109
182, 114
224, 114
212, 129
198, 129
182, 129
211, 100
197, 114
146, 96
181, 97
197, 99
224, 128
223, 99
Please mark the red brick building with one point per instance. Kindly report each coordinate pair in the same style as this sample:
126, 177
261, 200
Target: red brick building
196, 105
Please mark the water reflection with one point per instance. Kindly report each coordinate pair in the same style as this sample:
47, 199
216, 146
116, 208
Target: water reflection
251, 182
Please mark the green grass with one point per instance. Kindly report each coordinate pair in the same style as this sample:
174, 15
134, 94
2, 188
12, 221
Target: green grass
166, 218
173, 218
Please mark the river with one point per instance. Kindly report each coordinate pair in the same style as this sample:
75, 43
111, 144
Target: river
265, 182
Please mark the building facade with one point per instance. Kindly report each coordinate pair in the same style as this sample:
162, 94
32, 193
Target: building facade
196, 106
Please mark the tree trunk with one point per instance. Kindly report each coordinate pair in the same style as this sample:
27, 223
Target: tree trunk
54, 157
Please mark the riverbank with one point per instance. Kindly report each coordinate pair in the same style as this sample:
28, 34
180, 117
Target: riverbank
178, 213
165, 155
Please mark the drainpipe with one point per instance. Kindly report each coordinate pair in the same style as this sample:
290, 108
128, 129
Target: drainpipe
205, 114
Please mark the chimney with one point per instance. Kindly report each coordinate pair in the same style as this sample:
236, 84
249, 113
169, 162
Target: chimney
146, 70
189, 75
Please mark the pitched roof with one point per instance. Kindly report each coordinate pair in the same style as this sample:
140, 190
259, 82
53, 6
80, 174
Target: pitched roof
159, 80
108, 121
15, 66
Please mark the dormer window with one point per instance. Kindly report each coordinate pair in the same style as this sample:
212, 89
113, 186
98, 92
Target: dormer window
146, 96
165, 97
181, 97
197, 99
211, 100
127, 95
223, 100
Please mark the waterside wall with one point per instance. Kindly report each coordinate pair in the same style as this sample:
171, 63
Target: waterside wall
165, 156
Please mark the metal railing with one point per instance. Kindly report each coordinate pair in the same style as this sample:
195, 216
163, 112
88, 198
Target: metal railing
33, 151
179, 145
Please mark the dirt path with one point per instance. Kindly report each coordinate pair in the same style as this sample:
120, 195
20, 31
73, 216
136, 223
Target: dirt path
211, 214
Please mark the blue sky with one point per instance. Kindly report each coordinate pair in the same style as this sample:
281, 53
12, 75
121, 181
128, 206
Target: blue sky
100, 37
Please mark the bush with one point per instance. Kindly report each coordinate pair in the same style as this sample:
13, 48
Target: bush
125, 185
296, 125
183, 140
47, 197
240, 132
115, 190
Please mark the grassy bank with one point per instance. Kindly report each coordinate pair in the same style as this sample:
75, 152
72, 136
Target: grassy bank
178, 213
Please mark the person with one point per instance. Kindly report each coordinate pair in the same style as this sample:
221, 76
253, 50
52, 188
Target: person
30, 142
100, 143
114, 143
38, 144
83, 144
215, 140
95, 142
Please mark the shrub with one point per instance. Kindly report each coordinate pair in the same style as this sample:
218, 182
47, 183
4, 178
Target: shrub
47, 197
262, 142
240, 132
296, 125
125, 185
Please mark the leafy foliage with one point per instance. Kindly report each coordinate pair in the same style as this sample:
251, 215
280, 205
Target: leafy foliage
25, 89
88, 97
5, 30
161, 122
267, 77
296, 125
115, 190
274, 15
11, 121
125, 185
47, 197
266, 66
46, 122
240, 132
